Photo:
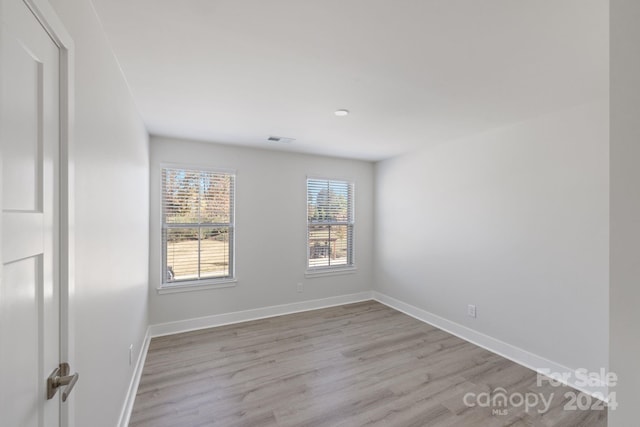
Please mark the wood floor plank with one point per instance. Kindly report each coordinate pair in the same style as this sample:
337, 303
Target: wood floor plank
360, 364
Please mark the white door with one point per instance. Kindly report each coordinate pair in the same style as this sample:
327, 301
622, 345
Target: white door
29, 282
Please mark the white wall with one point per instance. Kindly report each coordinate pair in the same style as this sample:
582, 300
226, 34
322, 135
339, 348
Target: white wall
112, 217
514, 221
625, 209
270, 229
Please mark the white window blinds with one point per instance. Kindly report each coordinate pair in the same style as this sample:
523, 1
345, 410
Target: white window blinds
330, 222
197, 225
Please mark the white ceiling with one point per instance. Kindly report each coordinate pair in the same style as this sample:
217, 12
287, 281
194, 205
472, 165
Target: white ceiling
412, 72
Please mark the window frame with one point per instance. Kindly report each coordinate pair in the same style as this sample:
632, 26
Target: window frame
331, 270
197, 284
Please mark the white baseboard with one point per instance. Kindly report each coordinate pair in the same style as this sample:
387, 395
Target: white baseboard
125, 414
170, 328
254, 314
508, 351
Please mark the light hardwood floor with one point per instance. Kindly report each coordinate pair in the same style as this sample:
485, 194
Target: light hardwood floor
361, 364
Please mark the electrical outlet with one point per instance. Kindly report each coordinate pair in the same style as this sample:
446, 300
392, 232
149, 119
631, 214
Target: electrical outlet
471, 310
130, 354
300, 287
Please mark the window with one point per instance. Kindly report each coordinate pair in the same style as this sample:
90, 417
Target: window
329, 224
197, 226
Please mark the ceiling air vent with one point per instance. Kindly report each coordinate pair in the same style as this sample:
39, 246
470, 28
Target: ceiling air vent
281, 139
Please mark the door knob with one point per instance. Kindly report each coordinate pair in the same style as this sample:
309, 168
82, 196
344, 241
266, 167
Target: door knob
60, 377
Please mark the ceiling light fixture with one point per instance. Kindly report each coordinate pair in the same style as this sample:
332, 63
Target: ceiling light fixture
341, 113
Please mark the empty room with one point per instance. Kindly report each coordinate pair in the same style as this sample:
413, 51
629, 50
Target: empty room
319, 213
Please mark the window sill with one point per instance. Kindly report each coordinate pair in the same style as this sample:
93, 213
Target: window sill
330, 272
190, 287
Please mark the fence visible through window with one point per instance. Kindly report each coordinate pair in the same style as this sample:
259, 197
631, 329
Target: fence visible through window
329, 224
197, 225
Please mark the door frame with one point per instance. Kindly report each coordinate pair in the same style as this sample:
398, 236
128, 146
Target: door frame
52, 24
